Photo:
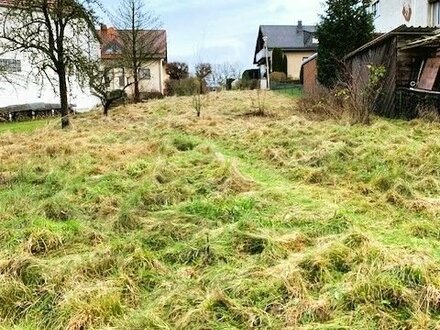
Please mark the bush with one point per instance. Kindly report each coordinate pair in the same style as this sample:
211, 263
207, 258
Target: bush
251, 74
278, 60
184, 87
246, 84
345, 26
118, 96
155, 95
278, 77
324, 104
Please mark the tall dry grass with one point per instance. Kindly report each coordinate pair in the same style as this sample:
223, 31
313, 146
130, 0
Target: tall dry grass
154, 218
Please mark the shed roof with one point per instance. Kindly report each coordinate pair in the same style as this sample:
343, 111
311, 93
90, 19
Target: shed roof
401, 30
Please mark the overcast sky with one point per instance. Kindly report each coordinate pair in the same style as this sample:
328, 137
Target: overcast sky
226, 30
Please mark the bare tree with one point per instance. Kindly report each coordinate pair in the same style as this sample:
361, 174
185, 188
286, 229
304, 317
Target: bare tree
141, 42
222, 72
177, 70
203, 70
98, 76
53, 34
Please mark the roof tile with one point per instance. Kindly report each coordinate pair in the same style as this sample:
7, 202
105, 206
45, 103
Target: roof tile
288, 36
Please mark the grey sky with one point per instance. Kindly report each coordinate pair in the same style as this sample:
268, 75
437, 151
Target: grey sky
224, 31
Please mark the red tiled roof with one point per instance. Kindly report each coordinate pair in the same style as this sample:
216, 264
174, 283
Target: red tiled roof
110, 38
6, 3
16, 3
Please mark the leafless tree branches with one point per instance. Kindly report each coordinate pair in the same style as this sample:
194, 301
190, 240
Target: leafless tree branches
53, 35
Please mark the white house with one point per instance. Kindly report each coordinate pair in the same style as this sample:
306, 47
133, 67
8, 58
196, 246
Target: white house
389, 14
152, 74
20, 85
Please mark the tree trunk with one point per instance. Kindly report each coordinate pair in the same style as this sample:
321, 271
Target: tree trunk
106, 106
137, 94
63, 97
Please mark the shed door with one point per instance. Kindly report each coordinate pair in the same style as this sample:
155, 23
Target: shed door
430, 74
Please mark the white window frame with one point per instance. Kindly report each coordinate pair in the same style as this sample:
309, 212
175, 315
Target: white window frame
435, 13
121, 79
144, 73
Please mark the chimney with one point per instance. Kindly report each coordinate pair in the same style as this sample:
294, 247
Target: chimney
299, 27
103, 28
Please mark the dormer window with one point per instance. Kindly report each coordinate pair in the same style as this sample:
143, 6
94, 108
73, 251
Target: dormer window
112, 49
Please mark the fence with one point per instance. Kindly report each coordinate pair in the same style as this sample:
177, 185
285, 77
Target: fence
286, 88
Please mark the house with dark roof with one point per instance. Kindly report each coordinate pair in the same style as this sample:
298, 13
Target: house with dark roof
297, 42
152, 73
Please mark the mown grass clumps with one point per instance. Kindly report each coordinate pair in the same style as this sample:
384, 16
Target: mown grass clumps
153, 219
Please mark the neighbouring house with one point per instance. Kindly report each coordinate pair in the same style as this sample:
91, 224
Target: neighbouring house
411, 59
297, 42
152, 75
21, 87
389, 14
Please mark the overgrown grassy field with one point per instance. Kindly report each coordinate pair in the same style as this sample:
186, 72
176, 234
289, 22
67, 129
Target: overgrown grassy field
26, 126
155, 219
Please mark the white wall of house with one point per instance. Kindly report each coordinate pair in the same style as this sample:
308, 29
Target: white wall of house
23, 87
157, 77
20, 85
154, 81
390, 14
294, 62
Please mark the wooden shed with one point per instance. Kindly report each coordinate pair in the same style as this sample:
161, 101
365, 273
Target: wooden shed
410, 58
309, 74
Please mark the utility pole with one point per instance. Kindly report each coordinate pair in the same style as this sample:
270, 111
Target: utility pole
267, 62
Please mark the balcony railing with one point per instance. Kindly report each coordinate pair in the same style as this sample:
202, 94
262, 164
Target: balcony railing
261, 55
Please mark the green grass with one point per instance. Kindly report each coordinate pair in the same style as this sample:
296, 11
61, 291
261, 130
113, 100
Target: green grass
154, 219
23, 127
291, 92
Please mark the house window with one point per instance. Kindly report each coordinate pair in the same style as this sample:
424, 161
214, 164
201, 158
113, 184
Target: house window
107, 81
144, 74
10, 65
112, 49
435, 13
375, 9
122, 81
